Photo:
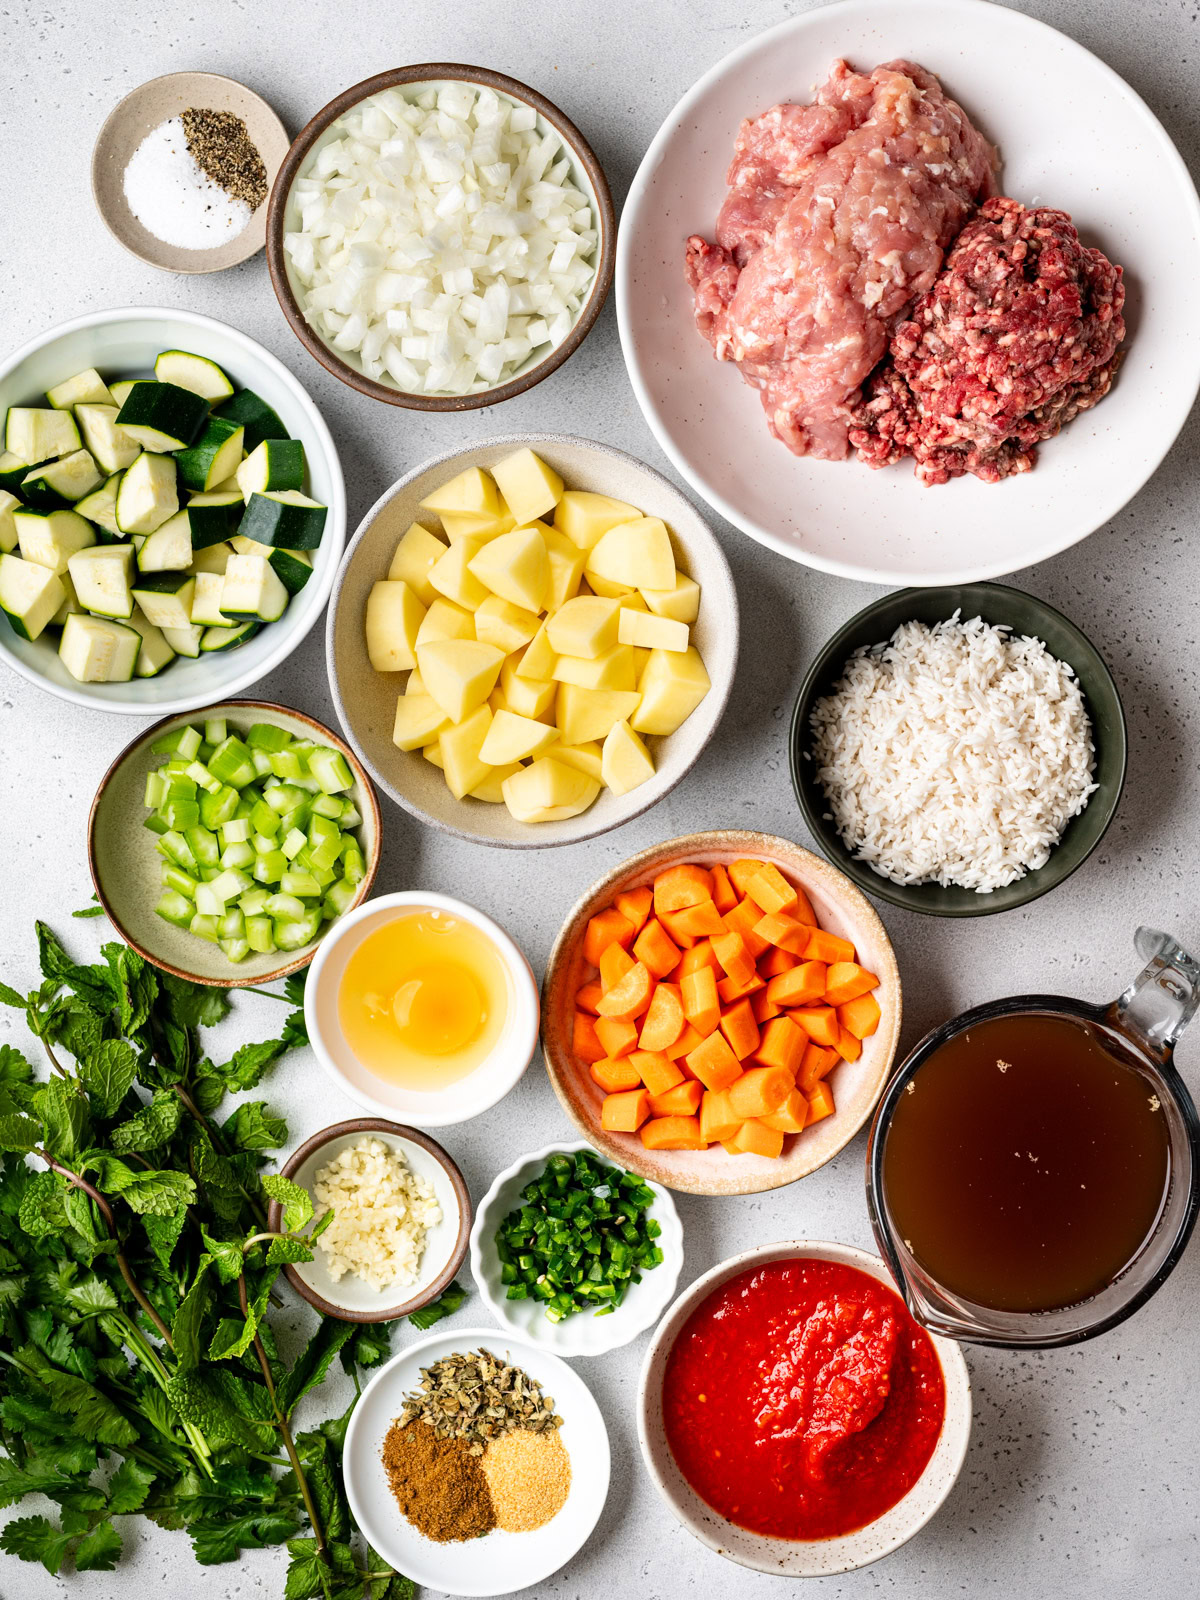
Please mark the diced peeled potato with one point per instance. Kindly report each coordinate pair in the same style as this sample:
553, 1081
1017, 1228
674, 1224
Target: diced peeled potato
528, 697
607, 590
452, 578
419, 719
463, 765
586, 518
459, 673
672, 686
445, 620
633, 601
615, 669
505, 625
566, 568
539, 657
649, 632
587, 757
555, 813
472, 490
415, 554
586, 714
586, 626
625, 762
637, 553
433, 752
492, 787
516, 567
681, 603
474, 525
414, 684
546, 782
530, 487
514, 738
394, 617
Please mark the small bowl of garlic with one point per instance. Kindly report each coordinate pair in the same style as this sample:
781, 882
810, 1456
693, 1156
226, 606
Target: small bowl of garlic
441, 237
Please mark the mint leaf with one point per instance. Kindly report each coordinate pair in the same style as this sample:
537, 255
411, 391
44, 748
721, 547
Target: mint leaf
313, 1362
10, 997
445, 1306
227, 1408
89, 911
252, 1127
296, 1202
133, 984
129, 1486
153, 1125
226, 1254
306, 1571
247, 1065
185, 1330
194, 1005
208, 1092
94, 1415
91, 984
99, 1550
36, 1539
42, 1209
107, 1071
163, 1234
13, 1066
64, 1111
294, 984
281, 1252
19, 1134
159, 1193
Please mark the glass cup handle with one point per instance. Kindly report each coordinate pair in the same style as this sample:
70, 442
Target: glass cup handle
1161, 1001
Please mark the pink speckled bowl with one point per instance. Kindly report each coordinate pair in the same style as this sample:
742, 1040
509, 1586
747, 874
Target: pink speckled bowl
857, 1085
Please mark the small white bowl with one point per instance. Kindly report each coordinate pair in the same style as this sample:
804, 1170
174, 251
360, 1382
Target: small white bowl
583, 1334
124, 343
423, 1108
799, 1558
498, 1563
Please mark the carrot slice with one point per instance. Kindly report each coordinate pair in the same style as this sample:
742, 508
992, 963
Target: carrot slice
800, 986
613, 1076
817, 1064
783, 1045
701, 1005
625, 1113
656, 1072
672, 1133
827, 947
717, 1121
860, 1017
820, 1023
700, 955
682, 886
602, 930
587, 997
764, 1007
741, 872
820, 1103
614, 964
584, 1041
683, 1046
760, 1091
654, 949
725, 896
848, 1047
791, 1116
617, 1037
784, 932
776, 961
634, 905
769, 889
740, 1029
630, 997
714, 1063
700, 921
846, 980
730, 950
732, 990
755, 1138
663, 1023
681, 1101
742, 920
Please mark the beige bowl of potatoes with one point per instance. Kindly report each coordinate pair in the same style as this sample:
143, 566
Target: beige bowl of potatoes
530, 641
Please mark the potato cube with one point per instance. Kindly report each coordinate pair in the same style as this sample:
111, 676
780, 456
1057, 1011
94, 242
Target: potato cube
516, 567
472, 490
539, 657
681, 603
451, 575
419, 719
394, 617
492, 787
530, 488
505, 625
460, 746
586, 714
474, 525
649, 632
586, 757
566, 568
546, 782
585, 518
625, 761
672, 686
615, 669
415, 554
606, 589
637, 553
586, 626
433, 752
528, 697
459, 674
513, 738
445, 620
415, 684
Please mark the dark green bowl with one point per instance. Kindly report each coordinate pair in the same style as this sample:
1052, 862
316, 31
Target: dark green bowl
997, 605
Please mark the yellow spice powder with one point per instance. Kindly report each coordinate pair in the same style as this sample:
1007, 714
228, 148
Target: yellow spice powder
529, 1475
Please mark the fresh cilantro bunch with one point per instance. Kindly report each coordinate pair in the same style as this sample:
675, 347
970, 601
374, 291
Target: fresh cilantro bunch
137, 1278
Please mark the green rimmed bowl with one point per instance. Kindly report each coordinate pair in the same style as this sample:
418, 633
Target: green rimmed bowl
998, 605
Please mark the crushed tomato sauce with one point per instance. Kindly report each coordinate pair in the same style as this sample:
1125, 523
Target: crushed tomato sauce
801, 1400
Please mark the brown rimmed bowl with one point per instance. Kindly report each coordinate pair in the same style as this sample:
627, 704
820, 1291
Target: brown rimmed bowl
125, 865
445, 1244
857, 1085
586, 171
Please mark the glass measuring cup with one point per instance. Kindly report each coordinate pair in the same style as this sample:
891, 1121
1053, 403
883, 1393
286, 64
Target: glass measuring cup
1140, 1028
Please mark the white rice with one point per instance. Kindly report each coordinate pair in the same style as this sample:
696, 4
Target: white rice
381, 1209
954, 754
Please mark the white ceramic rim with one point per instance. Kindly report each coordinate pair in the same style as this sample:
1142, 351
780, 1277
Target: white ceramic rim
558, 1336
523, 1026
335, 525
1167, 153
537, 841
955, 1374
468, 1338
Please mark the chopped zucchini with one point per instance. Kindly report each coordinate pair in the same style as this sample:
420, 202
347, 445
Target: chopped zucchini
8, 528
197, 373
86, 388
216, 639
70, 604
214, 456
166, 599
120, 391
286, 519
156, 653
206, 601
252, 592
162, 416
276, 464
100, 506
255, 415
148, 494
30, 595
112, 447
13, 469
95, 650
184, 641
61, 482
51, 538
167, 549
40, 435
101, 577
213, 558
214, 517
293, 567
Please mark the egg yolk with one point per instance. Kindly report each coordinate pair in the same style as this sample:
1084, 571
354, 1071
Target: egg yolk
438, 1008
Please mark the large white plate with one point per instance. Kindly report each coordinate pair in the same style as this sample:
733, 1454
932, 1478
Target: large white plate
499, 1563
1072, 134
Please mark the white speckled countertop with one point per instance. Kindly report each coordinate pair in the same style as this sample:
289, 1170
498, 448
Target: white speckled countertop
1082, 1477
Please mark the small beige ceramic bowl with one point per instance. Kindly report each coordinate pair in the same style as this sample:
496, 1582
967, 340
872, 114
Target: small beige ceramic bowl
350, 1297
366, 699
126, 866
798, 1558
840, 908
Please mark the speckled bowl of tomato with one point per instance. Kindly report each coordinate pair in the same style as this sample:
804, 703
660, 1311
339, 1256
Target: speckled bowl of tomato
794, 1416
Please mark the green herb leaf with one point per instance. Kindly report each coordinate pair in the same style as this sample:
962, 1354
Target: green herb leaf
306, 1573
14, 1068
42, 1210
226, 1407
214, 1541
252, 1127
208, 1092
445, 1306
294, 985
19, 1134
36, 1539
245, 1069
91, 984
89, 911
94, 1415
313, 1362
129, 1486
10, 997
91, 1295
156, 1192
194, 1005
319, 1463
64, 1111
226, 1254
133, 983
107, 1071
281, 1252
371, 1344
295, 1031
185, 1330
99, 1550
163, 1234
150, 1127
296, 1202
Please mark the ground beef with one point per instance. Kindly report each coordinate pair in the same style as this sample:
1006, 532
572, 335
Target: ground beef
838, 215
1018, 335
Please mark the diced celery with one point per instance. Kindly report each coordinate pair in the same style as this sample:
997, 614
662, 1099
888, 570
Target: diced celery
155, 823
328, 805
286, 764
231, 763
351, 817
236, 831
229, 884
286, 907
175, 847
300, 883
217, 809
266, 736
354, 868
292, 935
264, 820
262, 845
214, 729
329, 768
203, 777
269, 867
293, 843
297, 817
232, 925
252, 902
326, 853
259, 934
234, 949
208, 903
237, 856
180, 814
204, 927
283, 797
175, 908
324, 875
339, 897
176, 878
183, 742
178, 786
262, 763
155, 788
203, 846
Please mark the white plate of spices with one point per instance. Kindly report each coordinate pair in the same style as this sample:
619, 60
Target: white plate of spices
182, 170
476, 1462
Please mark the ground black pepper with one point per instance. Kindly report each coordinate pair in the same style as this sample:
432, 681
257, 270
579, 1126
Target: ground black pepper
221, 147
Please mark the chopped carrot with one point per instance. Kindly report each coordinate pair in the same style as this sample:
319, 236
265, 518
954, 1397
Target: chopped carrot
614, 1075
740, 1029
848, 1047
760, 1091
791, 1116
656, 1072
682, 886
764, 1007
817, 1064
700, 955
731, 990
663, 1023
827, 947
755, 1138
820, 1103
730, 950
630, 997
783, 1045
775, 962
700, 921
654, 949
681, 1101
587, 997
584, 1041
802, 910
714, 1063
634, 905
725, 896
742, 920
717, 1121
701, 1005
625, 1113
860, 1017
614, 964
741, 872
618, 1037
783, 932
672, 1133
769, 889
683, 1046
846, 980
799, 987
602, 930
820, 1023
